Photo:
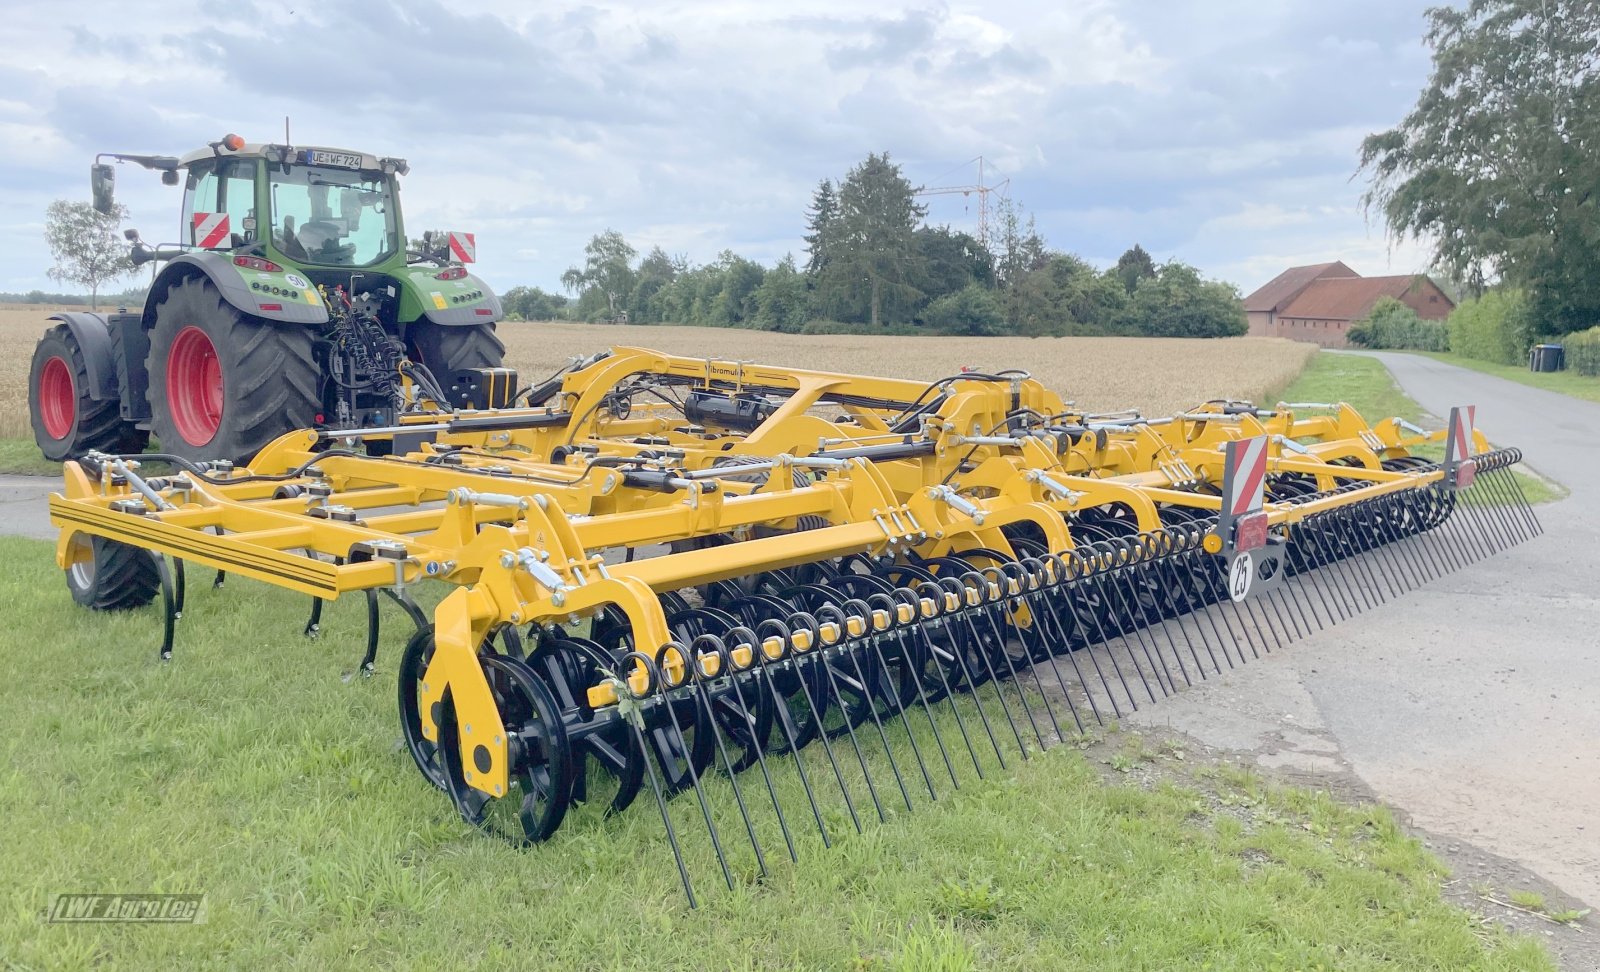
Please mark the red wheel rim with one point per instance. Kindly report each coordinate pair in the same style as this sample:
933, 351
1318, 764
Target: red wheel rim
194, 386
58, 399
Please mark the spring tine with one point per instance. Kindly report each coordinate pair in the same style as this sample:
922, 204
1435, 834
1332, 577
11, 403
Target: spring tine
314, 623
1248, 626
1197, 567
1494, 511
870, 702
1133, 577
1197, 615
169, 606
1351, 540
1382, 555
1484, 509
1156, 624
1418, 538
661, 799
1523, 506
763, 666
838, 698
1102, 640
875, 641
938, 667
1439, 531
1036, 597
1505, 504
1003, 610
1097, 578
971, 683
964, 617
221, 574
1404, 551
181, 584
1387, 548
801, 662
1298, 577
1203, 568
927, 710
703, 697
1321, 580
688, 757
1178, 617
1497, 511
761, 744
370, 658
1506, 481
1319, 536
1064, 589
984, 611
1118, 580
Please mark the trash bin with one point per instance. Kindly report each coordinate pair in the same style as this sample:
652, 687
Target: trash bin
1546, 357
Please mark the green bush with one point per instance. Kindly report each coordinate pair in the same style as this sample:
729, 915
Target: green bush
1583, 351
1495, 327
1394, 325
972, 310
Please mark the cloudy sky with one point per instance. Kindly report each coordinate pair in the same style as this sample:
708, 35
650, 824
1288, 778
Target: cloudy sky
1221, 133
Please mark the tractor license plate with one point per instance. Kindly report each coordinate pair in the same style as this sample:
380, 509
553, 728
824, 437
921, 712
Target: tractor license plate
343, 160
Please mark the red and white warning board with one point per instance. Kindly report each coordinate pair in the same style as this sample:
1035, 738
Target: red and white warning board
1245, 481
210, 230
1458, 446
464, 247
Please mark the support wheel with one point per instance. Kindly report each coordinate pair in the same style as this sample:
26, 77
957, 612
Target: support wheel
106, 575
223, 383
66, 422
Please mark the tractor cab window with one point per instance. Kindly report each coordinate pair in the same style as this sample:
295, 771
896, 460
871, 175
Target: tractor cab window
228, 189
332, 217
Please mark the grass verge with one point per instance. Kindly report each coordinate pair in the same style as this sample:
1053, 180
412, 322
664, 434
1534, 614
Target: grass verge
1365, 384
20, 457
247, 769
1564, 382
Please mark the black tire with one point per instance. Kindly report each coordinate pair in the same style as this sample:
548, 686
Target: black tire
66, 422
112, 576
269, 376
445, 349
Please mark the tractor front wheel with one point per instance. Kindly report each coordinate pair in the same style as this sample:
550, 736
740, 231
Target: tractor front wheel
66, 422
224, 383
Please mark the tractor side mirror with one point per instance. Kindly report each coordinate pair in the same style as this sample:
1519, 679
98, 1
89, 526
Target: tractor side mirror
102, 186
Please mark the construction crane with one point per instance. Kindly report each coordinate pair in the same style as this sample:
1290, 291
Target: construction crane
981, 188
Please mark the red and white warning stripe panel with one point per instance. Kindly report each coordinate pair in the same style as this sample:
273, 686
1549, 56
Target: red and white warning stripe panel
211, 230
1463, 419
464, 247
1246, 477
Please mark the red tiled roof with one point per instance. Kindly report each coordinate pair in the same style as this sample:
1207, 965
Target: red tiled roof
1347, 298
1287, 285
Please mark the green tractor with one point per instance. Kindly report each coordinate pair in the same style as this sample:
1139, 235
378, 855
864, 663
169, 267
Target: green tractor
292, 302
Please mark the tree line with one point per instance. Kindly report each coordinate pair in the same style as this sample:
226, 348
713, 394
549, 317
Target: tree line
873, 264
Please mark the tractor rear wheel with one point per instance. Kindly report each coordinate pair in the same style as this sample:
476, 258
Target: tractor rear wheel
445, 349
66, 422
106, 575
224, 383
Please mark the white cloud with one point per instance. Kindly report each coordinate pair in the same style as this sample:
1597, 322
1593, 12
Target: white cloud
1223, 134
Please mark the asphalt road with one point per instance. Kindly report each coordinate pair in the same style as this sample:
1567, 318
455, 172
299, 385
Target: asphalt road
1472, 704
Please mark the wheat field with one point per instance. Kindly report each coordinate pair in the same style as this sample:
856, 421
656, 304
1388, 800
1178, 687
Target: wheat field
1155, 375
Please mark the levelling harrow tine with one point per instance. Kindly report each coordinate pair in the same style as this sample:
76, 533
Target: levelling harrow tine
763, 663
909, 598
702, 697
802, 662
869, 702
872, 638
691, 688
635, 723
749, 638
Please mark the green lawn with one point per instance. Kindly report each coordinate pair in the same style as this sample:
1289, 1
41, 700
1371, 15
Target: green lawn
1365, 384
1565, 382
21, 457
247, 768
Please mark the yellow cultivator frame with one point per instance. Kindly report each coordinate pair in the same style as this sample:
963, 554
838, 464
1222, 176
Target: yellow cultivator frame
668, 568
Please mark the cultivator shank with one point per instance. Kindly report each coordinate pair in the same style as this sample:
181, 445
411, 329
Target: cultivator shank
664, 572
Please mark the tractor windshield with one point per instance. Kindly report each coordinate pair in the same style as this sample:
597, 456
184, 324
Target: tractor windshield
333, 217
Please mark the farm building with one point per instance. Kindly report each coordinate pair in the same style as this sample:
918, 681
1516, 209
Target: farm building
1318, 303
